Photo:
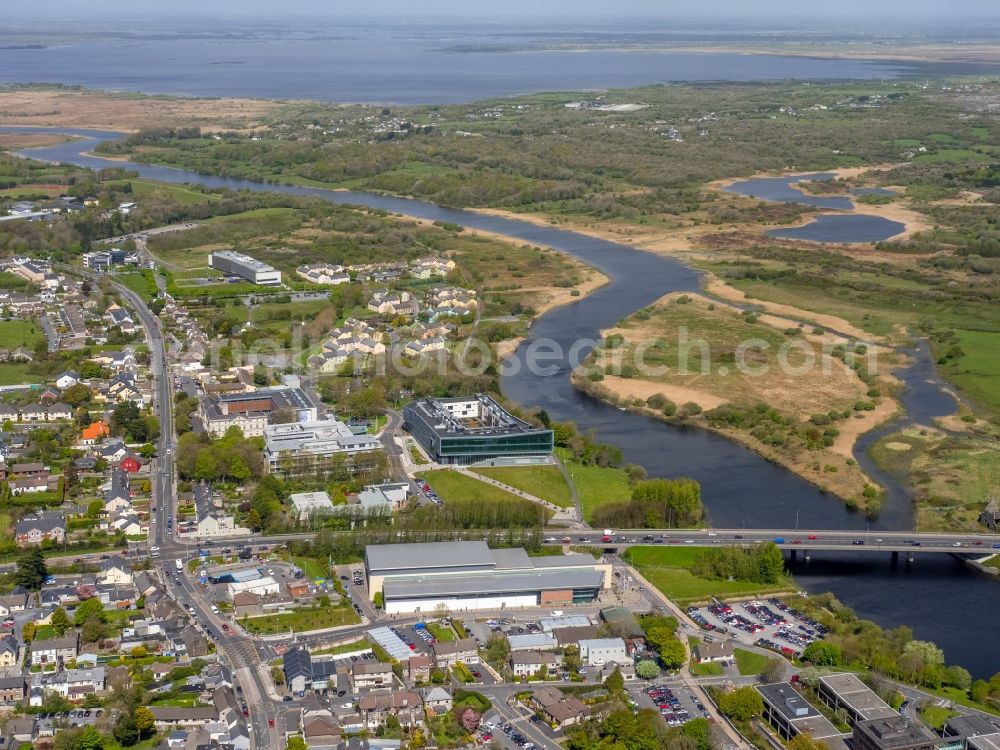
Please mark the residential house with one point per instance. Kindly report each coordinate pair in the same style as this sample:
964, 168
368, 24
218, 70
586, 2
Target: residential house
73, 684
130, 464
94, 432
115, 571
34, 530
392, 304
449, 653
530, 663
418, 668
11, 691
247, 604
366, 675
55, 650
438, 700
405, 705
118, 496
321, 733
67, 379
10, 651
184, 717
324, 273
715, 651
558, 709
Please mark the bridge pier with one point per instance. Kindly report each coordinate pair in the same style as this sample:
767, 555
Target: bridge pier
794, 556
895, 557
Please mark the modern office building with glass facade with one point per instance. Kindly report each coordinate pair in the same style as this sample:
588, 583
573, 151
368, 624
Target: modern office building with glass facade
469, 430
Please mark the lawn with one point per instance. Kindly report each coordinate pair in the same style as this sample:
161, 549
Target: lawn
545, 482
663, 557
596, 485
346, 648
749, 662
301, 620
175, 702
451, 485
993, 562
707, 669
936, 716
311, 567
666, 568
15, 333
443, 633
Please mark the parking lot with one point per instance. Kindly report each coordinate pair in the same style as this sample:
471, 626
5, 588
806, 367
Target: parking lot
769, 623
676, 704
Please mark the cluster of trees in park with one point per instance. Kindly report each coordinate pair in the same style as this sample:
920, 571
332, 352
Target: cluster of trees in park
655, 504
761, 563
862, 644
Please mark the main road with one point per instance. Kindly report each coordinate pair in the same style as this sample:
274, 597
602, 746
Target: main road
244, 655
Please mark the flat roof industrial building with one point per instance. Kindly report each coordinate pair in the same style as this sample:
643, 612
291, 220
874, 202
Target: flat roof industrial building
472, 429
471, 576
790, 714
846, 691
232, 263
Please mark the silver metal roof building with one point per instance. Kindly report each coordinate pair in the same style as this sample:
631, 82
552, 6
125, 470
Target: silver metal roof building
469, 575
391, 642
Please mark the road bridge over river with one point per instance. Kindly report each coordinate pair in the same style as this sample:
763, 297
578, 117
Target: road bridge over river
798, 540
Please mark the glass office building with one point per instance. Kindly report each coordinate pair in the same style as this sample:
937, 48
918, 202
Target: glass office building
468, 430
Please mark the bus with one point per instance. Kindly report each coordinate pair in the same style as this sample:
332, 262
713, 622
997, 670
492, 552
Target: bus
180, 565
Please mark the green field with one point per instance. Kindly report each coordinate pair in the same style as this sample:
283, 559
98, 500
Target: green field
301, 620
13, 373
545, 482
977, 371
749, 662
596, 485
667, 568
15, 333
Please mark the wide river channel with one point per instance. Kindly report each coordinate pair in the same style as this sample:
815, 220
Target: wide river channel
739, 488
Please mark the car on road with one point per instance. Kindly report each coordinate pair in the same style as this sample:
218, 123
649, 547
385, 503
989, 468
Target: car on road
813, 537
270, 722
858, 542
225, 628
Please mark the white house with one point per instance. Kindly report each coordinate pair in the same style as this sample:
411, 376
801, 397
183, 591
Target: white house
599, 651
67, 380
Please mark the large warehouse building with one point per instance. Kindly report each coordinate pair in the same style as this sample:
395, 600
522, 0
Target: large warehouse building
237, 264
471, 576
468, 430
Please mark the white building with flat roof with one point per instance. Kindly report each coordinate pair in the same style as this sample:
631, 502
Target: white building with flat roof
232, 263
308, 504
261, 587
599, 651
312, 446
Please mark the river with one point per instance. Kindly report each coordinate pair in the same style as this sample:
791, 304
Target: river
739, 488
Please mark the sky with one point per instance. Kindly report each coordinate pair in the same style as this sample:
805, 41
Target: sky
525, 9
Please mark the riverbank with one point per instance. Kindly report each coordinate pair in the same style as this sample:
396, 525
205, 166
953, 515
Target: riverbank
805, 418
